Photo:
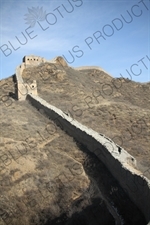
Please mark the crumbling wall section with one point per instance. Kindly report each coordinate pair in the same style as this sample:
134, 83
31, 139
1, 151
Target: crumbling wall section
119, 162
58, 60
21, 88
30, 61
24, 88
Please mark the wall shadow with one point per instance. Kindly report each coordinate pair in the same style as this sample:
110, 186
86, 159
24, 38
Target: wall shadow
14, 94
95, 214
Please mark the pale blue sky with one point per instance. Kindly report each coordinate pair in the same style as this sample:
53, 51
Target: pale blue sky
116, 51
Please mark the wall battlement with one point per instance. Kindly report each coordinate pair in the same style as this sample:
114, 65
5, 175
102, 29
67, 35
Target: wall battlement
33, 60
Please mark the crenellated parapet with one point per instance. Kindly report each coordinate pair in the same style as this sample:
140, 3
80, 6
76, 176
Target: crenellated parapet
33, 60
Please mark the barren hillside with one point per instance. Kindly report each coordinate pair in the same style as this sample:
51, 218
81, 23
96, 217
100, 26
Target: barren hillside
46, 176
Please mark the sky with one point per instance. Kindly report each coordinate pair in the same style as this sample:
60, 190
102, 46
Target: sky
114, 35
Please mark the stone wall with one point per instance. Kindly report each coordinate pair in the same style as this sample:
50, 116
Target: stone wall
21, 88
29, 61
58, 60
119, 162
24, 88
32, 60
95, 68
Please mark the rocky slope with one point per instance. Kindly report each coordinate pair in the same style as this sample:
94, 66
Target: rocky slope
47, 177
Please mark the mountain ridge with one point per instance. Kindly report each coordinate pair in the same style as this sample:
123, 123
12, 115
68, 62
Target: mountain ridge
96, 100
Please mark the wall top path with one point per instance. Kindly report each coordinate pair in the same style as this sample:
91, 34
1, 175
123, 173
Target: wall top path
91, 67
107, 142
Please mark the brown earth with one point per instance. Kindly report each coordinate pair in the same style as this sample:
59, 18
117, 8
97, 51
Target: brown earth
46, 176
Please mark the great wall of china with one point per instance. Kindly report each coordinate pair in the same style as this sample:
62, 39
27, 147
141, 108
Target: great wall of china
120, 163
